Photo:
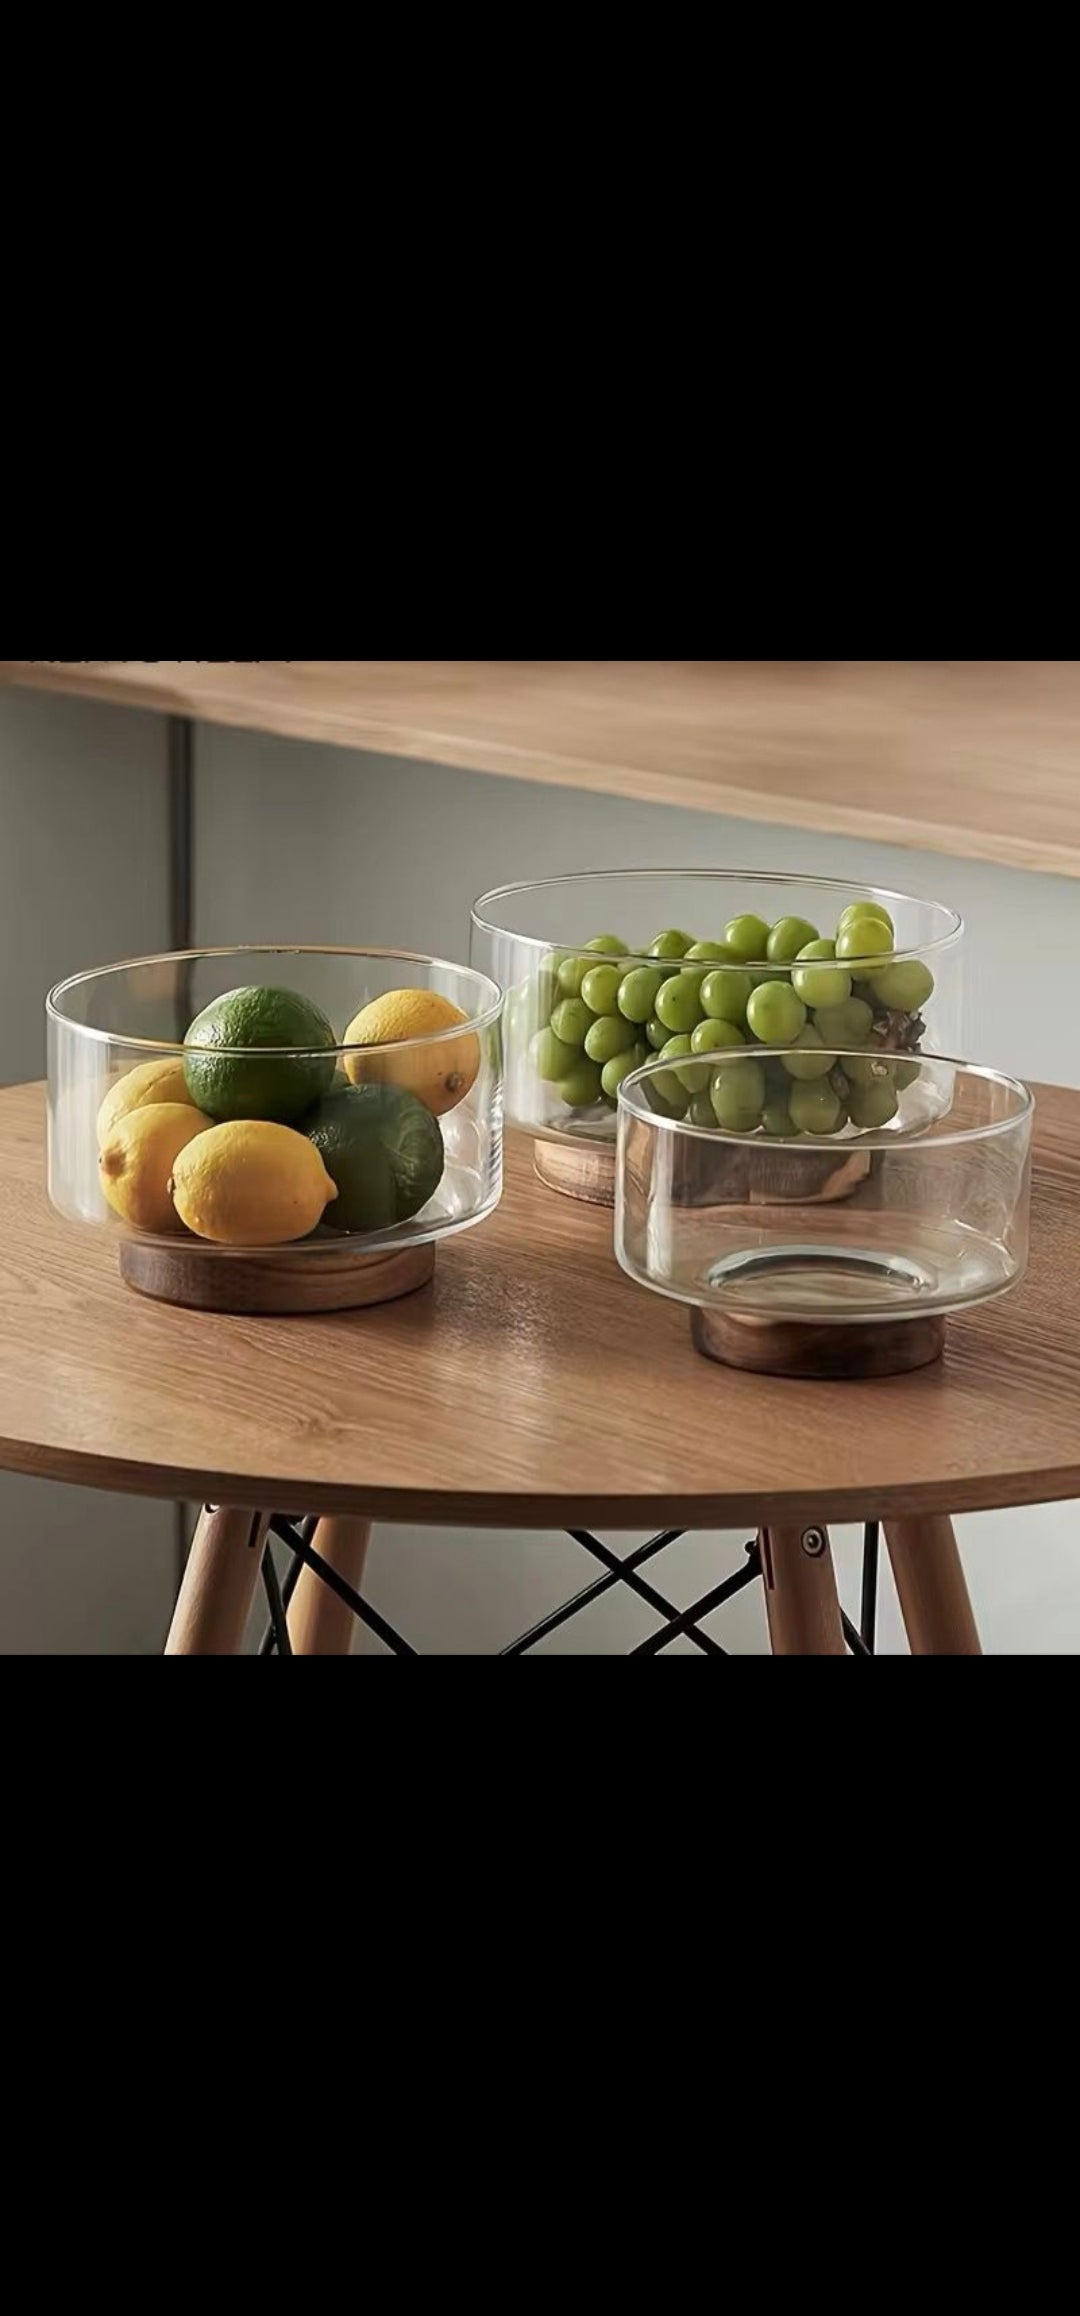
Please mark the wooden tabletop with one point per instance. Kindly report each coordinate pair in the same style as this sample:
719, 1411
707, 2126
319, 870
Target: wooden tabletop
532, 1385
977, 759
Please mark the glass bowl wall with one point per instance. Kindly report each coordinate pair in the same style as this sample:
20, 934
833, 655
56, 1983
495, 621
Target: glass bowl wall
106, 1023
534, 940
922, 1214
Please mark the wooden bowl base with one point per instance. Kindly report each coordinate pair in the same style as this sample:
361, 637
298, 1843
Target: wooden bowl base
277, 1284
584, 1170
848, 1351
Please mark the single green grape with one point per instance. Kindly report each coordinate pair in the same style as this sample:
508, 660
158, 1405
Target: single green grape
609, 1036
669, 1096
864, 909
600, 988
696, 1077
810, 1061
864, 937
869, 1069
823, 984
551, 1059
738, 1096
747, 937
656, 1034
847, 1024
726, 993
710, 1034
775, 1014
816, 1109
777, 1121
638, 992
678, 1003
581, 1085
570, 976
788, 936
904, 1074
713, 952
670, 944
572, 1020
550, 963
609, 943
701, 1112
905, 987
872, 1105
619, 1067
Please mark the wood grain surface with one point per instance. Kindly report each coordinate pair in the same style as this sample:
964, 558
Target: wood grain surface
531, 1384
978, 759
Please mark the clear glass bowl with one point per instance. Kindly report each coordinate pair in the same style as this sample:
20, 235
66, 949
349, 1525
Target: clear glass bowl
924, 1212
102, 1025
533, 939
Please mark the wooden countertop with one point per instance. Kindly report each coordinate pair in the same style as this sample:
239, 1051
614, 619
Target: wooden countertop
977, 759
531, 1385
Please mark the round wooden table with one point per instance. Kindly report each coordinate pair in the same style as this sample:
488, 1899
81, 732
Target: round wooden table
530, 1385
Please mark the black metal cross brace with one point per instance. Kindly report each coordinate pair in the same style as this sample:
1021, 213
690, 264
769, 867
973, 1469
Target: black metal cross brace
297, 1536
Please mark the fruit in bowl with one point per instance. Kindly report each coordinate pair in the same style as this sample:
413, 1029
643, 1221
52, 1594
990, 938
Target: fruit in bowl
256, 1135
597, 1013
441, 1071
275, 1085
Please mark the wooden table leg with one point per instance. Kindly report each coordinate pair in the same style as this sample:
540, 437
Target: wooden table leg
223, 1569
801, 1600
932, 1591
321, 1625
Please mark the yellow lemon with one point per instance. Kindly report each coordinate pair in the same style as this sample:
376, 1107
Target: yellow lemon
440, 1074
138, 1157
153, 1081
249, 1183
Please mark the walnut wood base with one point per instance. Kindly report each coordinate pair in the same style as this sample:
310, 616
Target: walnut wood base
288, 1282
584, 1170
850, 1352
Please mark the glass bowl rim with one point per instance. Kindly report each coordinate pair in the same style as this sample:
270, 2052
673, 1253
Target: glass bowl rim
870, 1137
475, 1022
484, 924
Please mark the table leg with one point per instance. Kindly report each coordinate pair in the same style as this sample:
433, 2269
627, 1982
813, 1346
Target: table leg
801, 1600
320, 1624
930, 1583
222, 1572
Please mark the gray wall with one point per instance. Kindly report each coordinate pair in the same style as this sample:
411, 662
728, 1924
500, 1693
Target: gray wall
297, 842
82, 880
302, 843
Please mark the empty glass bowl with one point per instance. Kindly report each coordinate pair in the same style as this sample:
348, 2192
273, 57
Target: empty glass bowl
789, 1193
242, 1106
603, 970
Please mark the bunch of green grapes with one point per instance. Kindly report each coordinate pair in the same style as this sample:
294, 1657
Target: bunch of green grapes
602, 1013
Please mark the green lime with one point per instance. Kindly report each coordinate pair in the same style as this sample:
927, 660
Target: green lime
227, 1078
382, 1148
